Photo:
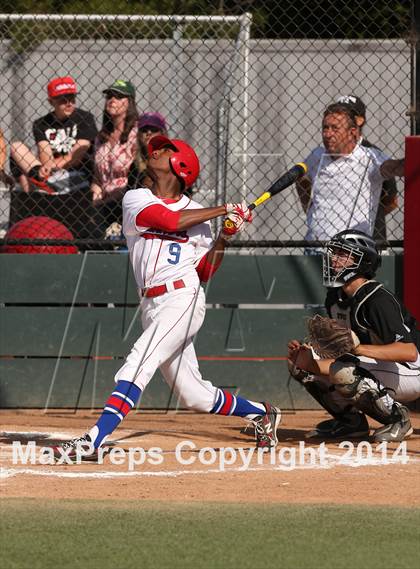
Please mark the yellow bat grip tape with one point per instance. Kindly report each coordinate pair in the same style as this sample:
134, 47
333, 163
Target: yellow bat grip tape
303, 165
264, 197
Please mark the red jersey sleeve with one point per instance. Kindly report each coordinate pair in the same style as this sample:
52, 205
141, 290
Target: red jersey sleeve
158, 216
206, 270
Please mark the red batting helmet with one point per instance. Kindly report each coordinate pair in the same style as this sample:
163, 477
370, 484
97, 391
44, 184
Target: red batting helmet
41, 227
184, 162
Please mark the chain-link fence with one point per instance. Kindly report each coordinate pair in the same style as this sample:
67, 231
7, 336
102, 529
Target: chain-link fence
246, 85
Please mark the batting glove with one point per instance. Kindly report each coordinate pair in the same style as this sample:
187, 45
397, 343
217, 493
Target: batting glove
233, 224
240, 209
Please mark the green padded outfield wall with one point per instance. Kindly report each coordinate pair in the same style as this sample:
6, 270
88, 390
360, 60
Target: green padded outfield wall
67, 321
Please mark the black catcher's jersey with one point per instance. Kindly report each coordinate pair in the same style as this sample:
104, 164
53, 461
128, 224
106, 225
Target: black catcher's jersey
374, 314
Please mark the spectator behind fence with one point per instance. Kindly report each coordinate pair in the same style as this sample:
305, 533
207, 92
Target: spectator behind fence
342, 187
64, 140
115, 151
4, 178
389, 195
149, 125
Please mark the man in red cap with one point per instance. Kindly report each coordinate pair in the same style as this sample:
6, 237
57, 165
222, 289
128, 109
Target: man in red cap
63, 137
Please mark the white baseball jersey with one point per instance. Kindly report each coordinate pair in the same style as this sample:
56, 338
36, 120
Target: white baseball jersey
157, 256
345, 191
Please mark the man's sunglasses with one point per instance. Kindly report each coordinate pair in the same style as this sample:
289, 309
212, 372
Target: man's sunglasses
61, 99
114, 95
153, 129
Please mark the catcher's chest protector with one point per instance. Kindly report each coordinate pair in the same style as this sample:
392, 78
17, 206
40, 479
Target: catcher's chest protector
350, 311
374, 314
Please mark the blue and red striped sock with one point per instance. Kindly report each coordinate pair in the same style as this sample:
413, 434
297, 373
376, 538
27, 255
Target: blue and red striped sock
229, 404
124, 397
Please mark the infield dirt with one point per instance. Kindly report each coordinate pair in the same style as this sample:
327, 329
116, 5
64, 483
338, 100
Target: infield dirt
341, 480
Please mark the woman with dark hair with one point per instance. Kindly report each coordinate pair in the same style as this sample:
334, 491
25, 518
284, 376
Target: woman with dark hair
115, 150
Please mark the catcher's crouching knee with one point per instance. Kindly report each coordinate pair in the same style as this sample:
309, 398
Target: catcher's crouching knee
344, 376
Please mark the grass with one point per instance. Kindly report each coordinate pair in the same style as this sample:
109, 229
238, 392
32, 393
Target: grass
109, 534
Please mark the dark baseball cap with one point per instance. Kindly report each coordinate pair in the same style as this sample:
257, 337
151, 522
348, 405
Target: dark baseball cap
355, 103
122, 87
152, 119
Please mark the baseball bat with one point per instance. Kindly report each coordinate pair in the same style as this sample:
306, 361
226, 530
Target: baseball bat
285, 180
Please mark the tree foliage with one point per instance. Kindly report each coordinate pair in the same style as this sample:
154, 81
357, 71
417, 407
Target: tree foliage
271, 18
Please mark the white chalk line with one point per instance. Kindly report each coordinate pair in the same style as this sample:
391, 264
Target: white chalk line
47, 435
29, 435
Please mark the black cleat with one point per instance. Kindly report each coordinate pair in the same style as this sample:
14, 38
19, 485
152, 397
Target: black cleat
76, 450
352, 425
397, 431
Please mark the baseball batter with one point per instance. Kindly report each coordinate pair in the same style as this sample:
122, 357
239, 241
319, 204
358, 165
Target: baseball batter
383, 369
171, 250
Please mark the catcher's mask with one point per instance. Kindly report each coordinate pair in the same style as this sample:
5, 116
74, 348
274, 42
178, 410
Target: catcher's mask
347, 255
184, 161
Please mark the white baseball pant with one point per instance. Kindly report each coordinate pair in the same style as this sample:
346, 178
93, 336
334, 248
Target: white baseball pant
170, 322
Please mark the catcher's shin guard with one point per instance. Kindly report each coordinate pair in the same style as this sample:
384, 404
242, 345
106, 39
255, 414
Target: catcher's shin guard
322, 394
365, 392
318, 390
346, 423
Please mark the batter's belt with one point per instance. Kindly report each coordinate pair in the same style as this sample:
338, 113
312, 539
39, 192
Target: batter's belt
162, 289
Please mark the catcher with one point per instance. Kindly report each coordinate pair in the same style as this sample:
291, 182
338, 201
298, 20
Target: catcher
363, 359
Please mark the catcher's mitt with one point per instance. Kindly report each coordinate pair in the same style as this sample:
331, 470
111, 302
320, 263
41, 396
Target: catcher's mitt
329, 338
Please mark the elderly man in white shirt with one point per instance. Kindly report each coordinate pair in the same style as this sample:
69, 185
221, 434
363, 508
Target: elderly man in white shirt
342, 187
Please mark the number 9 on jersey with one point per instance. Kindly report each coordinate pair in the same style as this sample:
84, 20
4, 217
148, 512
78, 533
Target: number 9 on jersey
175, 253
